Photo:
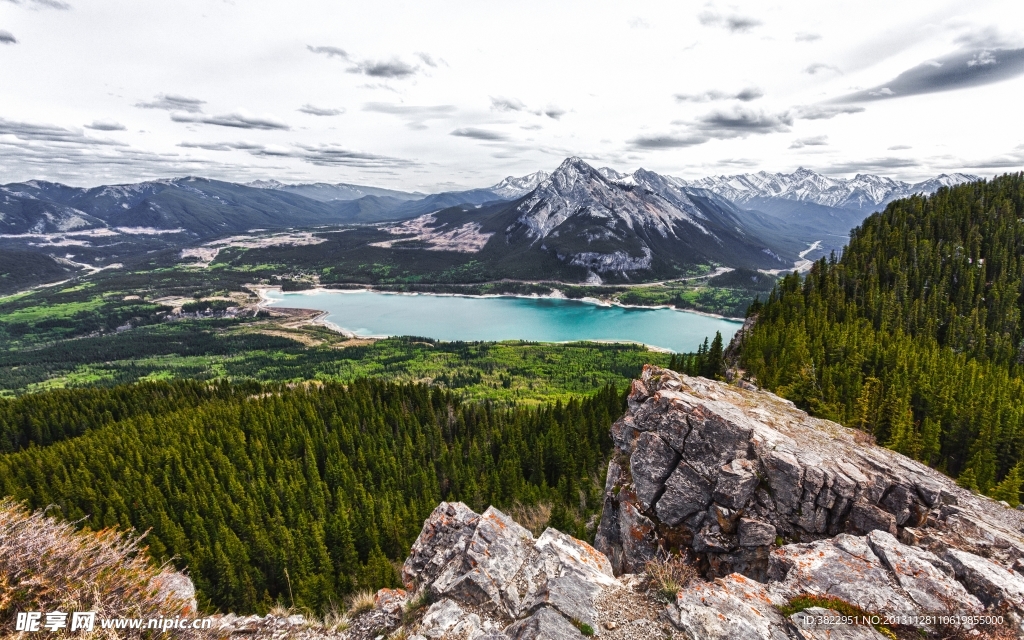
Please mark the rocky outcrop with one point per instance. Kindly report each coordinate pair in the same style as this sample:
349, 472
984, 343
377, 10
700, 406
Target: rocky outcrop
742, 482
487, 574
790, 520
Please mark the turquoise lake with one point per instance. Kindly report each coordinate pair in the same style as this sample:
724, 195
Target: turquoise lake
450, 318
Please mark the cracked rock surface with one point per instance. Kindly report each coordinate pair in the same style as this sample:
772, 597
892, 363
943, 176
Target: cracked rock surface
767, 504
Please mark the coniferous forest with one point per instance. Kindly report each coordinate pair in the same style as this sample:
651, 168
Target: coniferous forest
298, 494
915, 334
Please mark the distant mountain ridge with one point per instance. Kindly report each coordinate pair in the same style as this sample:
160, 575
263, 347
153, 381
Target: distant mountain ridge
198, 207
863, 192
326, 192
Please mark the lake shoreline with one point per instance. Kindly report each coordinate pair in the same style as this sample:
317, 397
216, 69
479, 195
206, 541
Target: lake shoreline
268, 296
556, 295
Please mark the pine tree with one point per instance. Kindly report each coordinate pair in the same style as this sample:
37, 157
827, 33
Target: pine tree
1008, 490
968, 480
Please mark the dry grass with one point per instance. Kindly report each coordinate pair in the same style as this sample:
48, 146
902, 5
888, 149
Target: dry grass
45, 565
361, 601
668, 574
534, 518
335, 619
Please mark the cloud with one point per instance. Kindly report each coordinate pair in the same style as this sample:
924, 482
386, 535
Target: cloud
330, 155
738, 122
49, 133
958, 70
825, 111
415, 116
320, 111
33, 151
224, 146
746, 95
818, 67
6, 37
330, 52
171, 102
987, 38
637, 22
43, 4
105, 125
734, 23
900, 147
667, 141
1014, 159
478, 134
513, 104
393, 68
874, 165
321, 155
743, 120
431, 111
507, 104
804, 36
815, 141
234, 120
427, 59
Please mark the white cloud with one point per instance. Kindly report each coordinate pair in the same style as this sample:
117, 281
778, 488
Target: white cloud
372, 92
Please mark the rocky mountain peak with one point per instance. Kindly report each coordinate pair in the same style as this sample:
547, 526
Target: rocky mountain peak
577, 189
512, 187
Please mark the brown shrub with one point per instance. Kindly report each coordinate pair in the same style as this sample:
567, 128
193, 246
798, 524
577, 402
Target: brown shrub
46, 565
668, 574
534, 518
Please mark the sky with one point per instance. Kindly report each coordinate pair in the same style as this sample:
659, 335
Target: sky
442, 95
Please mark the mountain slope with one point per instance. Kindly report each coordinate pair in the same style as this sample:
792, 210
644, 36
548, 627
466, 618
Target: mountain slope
201, 208
577, 225
915, 333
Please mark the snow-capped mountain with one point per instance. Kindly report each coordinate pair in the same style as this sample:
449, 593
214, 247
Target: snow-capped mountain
642, 222
512, 187
862, 192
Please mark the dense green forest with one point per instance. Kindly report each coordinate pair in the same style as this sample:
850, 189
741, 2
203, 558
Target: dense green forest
297, 494
915, 333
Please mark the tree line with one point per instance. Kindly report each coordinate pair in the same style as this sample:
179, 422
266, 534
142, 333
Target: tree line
915, 333
298, 494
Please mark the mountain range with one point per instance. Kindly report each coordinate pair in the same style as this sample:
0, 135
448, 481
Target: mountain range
584, 222
866, 193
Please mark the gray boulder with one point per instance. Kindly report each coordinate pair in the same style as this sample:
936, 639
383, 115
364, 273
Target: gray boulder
545, 624
928, 581
730, 608
991, 583
845, 568
491, 577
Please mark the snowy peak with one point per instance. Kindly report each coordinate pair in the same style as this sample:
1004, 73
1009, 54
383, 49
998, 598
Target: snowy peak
863, 191
512, 187
266, 184
579, 191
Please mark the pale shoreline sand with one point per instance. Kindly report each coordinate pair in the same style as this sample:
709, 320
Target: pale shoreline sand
556, 296
320, 318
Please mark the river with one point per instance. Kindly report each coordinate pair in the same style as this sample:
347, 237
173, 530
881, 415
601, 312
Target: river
492, 318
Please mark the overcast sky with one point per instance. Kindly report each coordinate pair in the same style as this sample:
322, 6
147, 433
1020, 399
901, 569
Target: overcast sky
442, 95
